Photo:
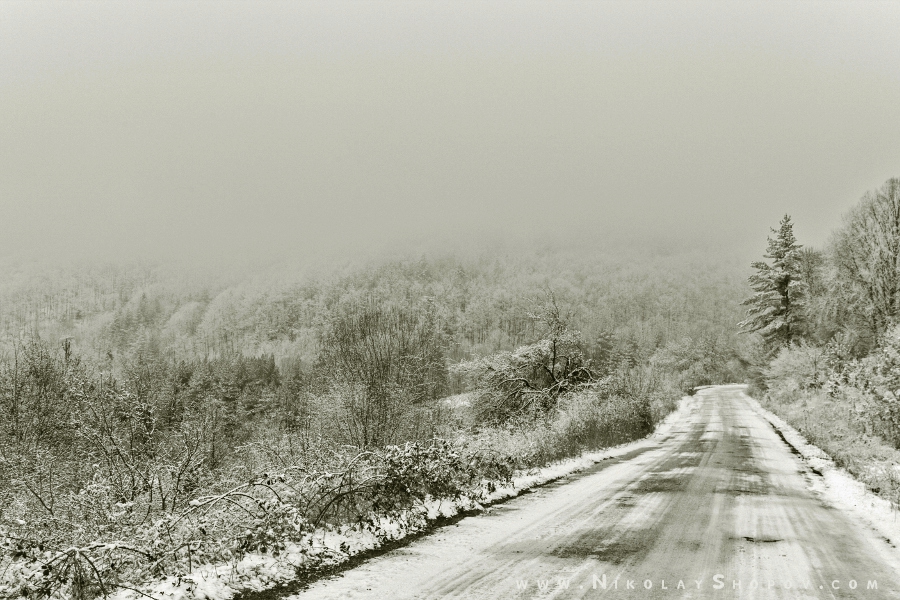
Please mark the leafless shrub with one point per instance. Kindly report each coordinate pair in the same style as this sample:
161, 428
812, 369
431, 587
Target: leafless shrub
380, 361
261, 515
531, 379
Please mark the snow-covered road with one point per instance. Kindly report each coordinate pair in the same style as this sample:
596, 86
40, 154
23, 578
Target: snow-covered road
719, 506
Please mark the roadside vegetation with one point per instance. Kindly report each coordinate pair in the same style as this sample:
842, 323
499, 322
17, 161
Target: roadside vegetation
825, 338
151, 424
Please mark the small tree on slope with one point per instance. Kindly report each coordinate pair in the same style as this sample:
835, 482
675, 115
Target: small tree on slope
776, 308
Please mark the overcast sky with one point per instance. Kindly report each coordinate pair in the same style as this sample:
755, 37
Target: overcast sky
156, 129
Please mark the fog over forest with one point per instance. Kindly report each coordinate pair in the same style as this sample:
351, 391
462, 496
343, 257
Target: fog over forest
280, 131
284, 284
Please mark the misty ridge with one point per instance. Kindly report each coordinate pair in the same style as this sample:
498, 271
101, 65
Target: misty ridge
158, 419
271, 308
140, 400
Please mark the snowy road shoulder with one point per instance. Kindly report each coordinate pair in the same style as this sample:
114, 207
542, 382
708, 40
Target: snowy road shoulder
840, 489
570, 466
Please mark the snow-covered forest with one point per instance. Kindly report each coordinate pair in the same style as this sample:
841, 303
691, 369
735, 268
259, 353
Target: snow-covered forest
153, 421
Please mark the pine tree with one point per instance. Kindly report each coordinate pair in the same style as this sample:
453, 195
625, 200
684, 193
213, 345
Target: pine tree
776, 308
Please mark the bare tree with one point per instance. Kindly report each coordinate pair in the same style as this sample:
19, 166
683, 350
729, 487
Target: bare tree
533, 377
382, 359
865, 253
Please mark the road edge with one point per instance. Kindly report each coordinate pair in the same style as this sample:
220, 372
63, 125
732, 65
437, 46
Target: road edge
522, 484
838, 488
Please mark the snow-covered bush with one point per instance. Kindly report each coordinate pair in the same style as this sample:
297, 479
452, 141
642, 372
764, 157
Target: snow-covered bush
371, 490
525, 382
621, 407
529, 381
872, 386
799, 367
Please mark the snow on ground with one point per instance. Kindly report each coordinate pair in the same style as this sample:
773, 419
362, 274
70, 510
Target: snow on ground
838, 487
459, 400
262, 571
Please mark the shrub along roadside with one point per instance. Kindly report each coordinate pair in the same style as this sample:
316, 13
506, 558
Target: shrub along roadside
832, 425
370, 491
626, 406
382, 494
847, 407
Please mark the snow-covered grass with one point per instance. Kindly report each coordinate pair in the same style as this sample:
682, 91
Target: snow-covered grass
333, 546
839, 487
835, 427
458, 401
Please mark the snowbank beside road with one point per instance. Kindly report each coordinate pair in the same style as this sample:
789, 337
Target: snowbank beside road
836, 486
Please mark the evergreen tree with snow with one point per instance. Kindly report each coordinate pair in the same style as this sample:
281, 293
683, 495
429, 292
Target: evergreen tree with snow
775, 310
